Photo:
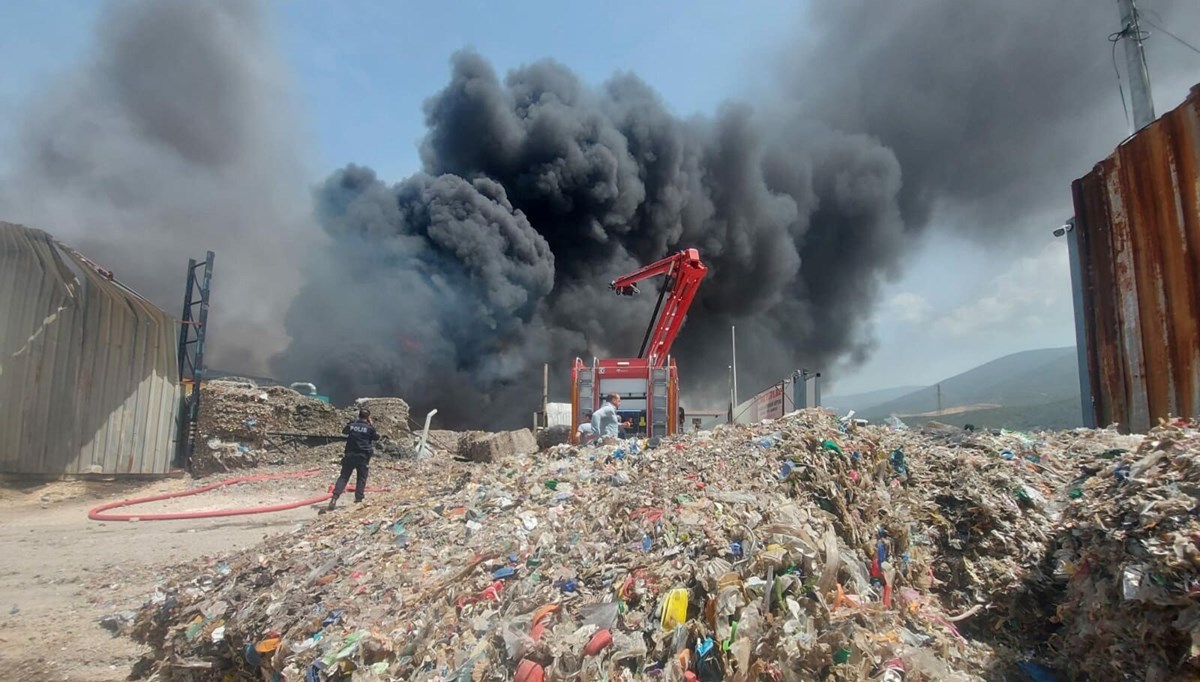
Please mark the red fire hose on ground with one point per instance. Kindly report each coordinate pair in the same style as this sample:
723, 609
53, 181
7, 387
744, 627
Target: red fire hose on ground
98, 513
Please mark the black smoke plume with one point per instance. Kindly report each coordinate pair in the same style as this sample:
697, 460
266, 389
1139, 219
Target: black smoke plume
892, 116
453, 287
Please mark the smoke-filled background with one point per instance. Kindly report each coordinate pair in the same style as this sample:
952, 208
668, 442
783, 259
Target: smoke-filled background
884, 122
175, 136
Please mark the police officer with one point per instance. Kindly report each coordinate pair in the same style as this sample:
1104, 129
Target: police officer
360, 441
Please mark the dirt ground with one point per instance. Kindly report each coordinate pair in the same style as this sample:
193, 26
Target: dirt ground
61, 573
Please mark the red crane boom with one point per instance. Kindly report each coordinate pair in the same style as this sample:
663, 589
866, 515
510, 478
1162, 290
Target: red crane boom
684, 272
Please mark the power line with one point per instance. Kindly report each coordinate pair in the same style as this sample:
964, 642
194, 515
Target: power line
1114, 39
1181, 41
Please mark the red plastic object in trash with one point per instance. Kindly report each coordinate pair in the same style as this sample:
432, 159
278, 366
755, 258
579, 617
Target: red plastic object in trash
528, 671
599, 642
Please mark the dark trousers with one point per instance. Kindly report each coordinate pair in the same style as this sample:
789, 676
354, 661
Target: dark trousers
358, 465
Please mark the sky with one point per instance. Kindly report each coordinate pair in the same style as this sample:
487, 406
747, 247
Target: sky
363, 68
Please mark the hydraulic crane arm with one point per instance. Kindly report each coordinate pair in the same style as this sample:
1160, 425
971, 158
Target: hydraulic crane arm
684, 272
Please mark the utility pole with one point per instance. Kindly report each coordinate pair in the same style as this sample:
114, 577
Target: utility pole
1135, 65
939, 393
731, 403
733, 336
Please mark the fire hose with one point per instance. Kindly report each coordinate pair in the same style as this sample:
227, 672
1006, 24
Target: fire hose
98, 513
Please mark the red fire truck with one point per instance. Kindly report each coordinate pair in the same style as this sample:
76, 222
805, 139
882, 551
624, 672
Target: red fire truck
648, 384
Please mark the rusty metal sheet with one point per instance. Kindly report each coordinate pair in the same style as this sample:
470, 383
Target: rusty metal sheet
88, 377
1138, 219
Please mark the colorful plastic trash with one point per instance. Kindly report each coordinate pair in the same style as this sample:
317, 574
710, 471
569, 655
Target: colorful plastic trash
675, 608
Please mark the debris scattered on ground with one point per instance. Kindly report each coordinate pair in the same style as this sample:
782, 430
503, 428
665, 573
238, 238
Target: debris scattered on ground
1128, 550
805, 548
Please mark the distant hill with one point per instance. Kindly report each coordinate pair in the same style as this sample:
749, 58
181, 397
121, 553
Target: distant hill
865, 401
1027, 390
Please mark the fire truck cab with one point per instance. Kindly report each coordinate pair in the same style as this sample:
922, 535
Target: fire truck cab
648, 384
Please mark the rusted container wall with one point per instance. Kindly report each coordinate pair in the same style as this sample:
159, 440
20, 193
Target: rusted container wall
1138, 219
89, 382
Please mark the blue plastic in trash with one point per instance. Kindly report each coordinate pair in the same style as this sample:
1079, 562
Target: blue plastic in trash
568, 585
252, 655
1037, 672
1007, 454
735, 548
332, 618
618, 454
647, 543
897, 460
1121, 473
787, 469
503, 572
881, 551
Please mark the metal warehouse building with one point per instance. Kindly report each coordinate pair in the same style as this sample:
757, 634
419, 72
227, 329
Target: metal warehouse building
89, 380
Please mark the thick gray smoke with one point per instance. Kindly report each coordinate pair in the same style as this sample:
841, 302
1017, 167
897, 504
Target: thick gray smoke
538, 189
175, 137
453, 286
992, 108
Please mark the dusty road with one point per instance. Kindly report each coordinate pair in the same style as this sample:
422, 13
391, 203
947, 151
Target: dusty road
61, 573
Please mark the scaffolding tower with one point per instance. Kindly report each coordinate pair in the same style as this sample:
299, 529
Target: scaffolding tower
193, 326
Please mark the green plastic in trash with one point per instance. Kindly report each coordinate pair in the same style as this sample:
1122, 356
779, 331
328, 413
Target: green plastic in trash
195, 629
552, 483
830, 445
379, 668
732, 636
348, 647
372, 529
1076, 493
841, 656
1022, 495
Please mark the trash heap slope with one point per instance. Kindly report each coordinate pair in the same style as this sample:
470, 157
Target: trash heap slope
237, 417
1129, 554
791, 550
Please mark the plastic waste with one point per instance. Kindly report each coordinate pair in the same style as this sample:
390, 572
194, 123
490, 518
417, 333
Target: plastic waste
603, 615
674, 610
831, 445
1037, 672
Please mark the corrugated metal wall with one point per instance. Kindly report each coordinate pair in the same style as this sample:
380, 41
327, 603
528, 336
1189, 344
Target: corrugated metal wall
1138, 217
88, 377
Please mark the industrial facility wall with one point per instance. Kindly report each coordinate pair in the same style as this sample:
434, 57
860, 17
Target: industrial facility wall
1138, 219
89, 381
770, 403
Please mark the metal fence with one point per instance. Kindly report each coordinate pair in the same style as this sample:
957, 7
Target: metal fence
802, 389
89, 382
1137, 218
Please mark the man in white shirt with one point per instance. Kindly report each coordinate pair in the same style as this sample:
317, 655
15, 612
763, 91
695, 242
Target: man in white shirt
606, 421
586, 433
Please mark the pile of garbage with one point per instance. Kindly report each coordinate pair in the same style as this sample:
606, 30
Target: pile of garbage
1128, 550
807, 548
240, 422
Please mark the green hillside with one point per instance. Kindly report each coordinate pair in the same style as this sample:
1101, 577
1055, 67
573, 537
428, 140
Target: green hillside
1027, 390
